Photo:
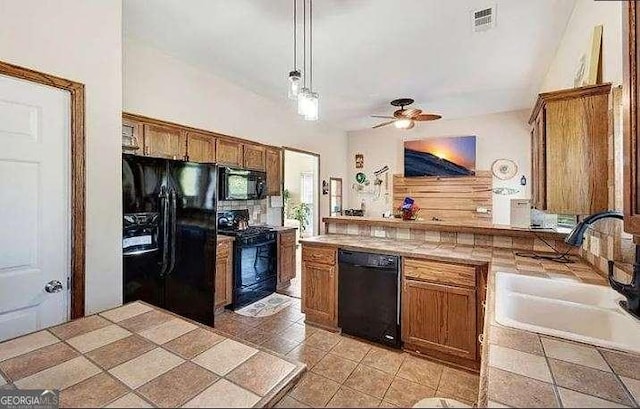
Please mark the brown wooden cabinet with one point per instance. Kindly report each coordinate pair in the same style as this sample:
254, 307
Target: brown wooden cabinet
442, 310
164, 142
273, 166
286, 257
439, 317
132, 136
229, 152
254, 157
631, 148
320, 286
570, 139
224, 275
200, 147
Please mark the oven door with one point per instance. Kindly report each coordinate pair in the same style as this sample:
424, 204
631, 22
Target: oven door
255, 272
237, 184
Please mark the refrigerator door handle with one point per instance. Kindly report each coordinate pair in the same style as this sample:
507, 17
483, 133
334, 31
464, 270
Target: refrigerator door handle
172, 236
164, 212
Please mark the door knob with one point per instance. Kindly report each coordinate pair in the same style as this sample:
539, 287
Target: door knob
53, 286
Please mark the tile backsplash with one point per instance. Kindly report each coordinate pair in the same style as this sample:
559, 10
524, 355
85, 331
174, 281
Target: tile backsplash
257, 209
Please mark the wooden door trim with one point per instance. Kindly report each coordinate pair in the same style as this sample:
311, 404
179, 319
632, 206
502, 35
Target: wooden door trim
630, 116
78, 176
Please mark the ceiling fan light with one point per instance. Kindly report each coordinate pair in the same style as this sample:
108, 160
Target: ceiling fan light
295, 80
311, 113
403, 123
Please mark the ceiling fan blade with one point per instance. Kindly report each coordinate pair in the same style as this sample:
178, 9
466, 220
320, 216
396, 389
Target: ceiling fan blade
382, 116
383, 124
426, 117
407, 113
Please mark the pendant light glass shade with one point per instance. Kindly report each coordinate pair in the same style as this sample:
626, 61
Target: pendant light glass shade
295, 83
303, 101
311, 113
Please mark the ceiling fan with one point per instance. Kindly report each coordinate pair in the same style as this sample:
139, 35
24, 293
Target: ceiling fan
405, 118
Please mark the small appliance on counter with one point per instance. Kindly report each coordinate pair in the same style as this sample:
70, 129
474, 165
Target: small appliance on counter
521, 213
254, 257
239, 184
354, 212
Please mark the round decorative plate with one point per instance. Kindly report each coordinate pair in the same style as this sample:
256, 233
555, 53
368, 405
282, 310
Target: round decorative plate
361, 177
504, 169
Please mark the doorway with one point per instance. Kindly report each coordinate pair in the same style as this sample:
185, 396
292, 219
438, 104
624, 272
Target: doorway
42, 205
301, 202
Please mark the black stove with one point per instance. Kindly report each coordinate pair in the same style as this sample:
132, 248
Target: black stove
254, 257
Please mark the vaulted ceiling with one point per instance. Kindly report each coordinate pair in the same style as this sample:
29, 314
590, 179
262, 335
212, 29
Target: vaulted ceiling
366, 52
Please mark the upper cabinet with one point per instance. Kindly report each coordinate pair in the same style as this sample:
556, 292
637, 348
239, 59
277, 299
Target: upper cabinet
153, 137
569, 142
201, 147
254, 157
631, 150
274, 171
132, 136
164, 142
229, 153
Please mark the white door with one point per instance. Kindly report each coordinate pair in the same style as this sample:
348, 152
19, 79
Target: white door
34, 206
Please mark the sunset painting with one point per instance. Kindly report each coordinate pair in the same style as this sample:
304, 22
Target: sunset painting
441, 156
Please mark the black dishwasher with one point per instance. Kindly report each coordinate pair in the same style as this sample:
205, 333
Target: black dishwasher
369, 296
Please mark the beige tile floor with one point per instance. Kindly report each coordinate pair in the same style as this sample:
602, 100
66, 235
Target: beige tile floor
346, 372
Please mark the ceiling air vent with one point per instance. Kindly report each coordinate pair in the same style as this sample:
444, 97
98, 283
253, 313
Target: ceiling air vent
483, 19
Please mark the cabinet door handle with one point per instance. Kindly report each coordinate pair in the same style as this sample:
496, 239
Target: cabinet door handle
480, 338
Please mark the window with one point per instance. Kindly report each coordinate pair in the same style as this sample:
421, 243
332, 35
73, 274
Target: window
306, 188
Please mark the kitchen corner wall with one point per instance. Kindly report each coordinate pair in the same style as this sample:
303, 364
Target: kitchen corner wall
161, 86
82, 41
501, 135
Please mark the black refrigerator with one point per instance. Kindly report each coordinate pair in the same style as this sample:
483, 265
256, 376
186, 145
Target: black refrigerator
169, 234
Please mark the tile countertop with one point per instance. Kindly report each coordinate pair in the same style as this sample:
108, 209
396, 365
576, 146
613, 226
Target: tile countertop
138, 355
521, 368
468, 227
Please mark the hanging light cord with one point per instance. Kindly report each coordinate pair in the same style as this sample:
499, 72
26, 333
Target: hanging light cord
304, 43
311, 45
295, 35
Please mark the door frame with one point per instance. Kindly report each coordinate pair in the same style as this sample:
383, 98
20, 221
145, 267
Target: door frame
78, 177
317, 155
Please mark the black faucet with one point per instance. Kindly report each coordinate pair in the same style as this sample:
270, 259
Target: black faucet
630, 291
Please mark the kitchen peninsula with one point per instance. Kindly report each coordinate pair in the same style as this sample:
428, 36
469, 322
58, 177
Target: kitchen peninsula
447, 309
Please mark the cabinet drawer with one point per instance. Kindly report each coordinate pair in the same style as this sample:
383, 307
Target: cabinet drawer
288, 238
322, 255
439, 272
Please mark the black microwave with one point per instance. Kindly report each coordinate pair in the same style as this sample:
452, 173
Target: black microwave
240, 184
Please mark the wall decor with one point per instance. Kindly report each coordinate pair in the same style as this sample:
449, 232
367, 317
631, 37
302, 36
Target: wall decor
447, 156
504, 169
325, 187
589, 69
359, 161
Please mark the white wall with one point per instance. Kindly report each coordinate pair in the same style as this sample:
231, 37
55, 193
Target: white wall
164, 87
502, 135
82, 41
577, 41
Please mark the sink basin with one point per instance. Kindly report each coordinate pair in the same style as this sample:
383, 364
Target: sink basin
575, 311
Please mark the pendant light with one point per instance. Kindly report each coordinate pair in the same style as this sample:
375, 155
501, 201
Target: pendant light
295, 78
311, 111
304, 94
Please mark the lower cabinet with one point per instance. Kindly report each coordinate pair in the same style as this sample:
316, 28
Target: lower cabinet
224, 275
319, 286
439, 317
442, 310
286, 257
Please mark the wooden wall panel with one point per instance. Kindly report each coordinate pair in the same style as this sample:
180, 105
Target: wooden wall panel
448, 199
